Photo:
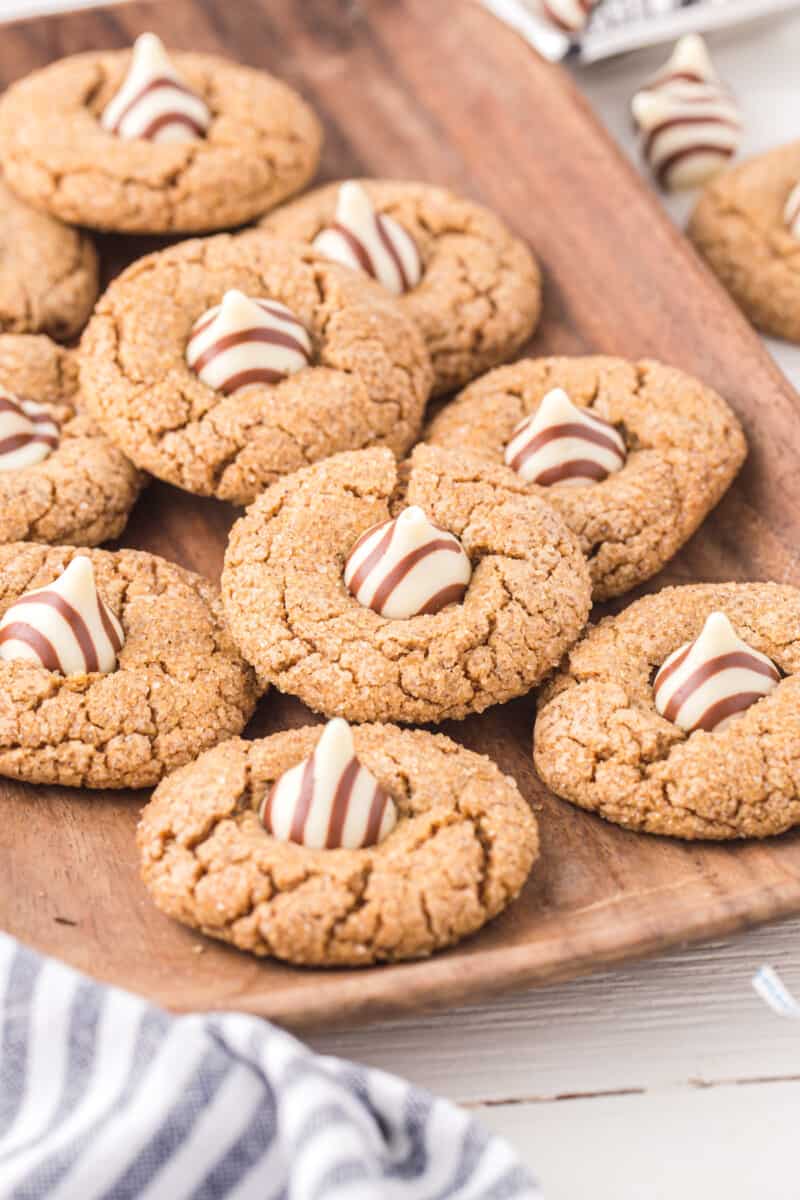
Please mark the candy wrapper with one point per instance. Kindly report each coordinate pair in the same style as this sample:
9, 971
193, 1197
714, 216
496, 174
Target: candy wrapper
595, 29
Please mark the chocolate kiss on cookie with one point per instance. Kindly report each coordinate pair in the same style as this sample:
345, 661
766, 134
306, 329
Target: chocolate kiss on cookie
66, 626
154, 103
244, 341
28, 433
688, 119
369, 241
561, 444
706, 683
407, 567
329, 800
791, 212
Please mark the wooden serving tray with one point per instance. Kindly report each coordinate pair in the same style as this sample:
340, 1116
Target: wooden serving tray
443, 92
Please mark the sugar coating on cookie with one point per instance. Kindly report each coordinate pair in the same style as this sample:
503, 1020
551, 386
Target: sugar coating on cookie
563, 445
408, 566
369, 241
243, 341
329, 800
689, 121
462, 848
153, 102
707, 683
28, 433
601, 742
478, 297
65, 626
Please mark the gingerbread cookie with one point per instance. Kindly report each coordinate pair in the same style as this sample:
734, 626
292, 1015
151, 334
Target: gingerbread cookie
61, 480
472, 288
458, 850
150, 142
745, 227
671, 451
115, 668
222, 364
680, 716
339, 593
48, 272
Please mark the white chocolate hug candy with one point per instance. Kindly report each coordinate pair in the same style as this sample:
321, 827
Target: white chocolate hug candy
370, 242
407, 567
153, 103
689, 121
65, 626
244, 341
706, 683
791, 212
329, 800
563, 445
28, 434
570, 16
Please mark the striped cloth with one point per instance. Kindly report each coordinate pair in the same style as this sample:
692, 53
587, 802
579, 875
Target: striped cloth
103, 1095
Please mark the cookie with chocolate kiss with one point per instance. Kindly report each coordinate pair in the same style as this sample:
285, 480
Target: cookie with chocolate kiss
601, 742
298, 622
461, 850
682, 446
178, 685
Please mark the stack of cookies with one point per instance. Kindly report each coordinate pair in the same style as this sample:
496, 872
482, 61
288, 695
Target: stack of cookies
389, 569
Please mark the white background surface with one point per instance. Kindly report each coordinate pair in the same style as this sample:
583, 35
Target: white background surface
669, 1079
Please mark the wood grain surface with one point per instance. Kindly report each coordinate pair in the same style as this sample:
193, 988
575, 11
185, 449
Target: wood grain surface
441, 92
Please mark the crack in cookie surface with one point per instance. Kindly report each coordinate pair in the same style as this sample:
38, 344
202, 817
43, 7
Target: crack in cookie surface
600, 742
295, 620
463, 847
685, 446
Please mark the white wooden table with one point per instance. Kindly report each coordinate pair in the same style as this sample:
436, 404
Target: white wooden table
670, 1078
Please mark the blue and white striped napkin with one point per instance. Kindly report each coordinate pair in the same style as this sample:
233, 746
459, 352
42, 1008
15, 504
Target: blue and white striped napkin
104, 1096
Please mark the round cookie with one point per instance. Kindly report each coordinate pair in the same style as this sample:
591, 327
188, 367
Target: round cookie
600, 742
48, 272
738, 226
82, 493
179, 686
684, 447
479, 298
463, 846
262, 145
367, 383
294, 619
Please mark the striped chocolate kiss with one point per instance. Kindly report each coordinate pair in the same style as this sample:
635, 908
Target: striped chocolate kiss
689, 121
368, 241
28, 434
153, 103
65, 626
563, 444
791, 213
329, 801
407, 567
706, 683
244, 341
570, 16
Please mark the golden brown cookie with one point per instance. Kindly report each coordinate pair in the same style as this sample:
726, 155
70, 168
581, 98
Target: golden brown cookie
179, 686
739, 226
48, 272
600, 742
83, 491
684, 447
262, 145
295, 620
367, 382
463, 846
479, 297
